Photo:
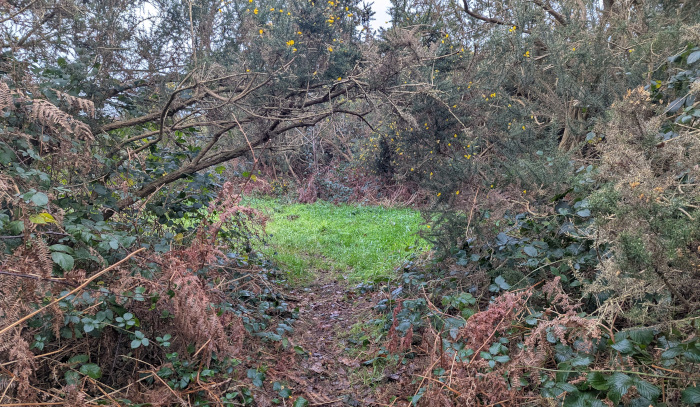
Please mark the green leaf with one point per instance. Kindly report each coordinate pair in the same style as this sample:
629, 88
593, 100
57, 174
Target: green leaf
598, 381
582, 400
530, 251
78, 359
301, 402
672, 353
42, 218
642, 336
64, 260
91, 370
581, 361
584, 213
619, 383
256, 377
501, 282
693, 57
40, 199
646, 389
72, 377
419, 394
624, 346
61, 248
691, 395
568, 387
502, 358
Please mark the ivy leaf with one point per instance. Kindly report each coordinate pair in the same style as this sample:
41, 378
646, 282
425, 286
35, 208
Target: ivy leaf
64, 260
676, 104
256, 377
301, 402
501, 282
414, 399
691, 395
91, 370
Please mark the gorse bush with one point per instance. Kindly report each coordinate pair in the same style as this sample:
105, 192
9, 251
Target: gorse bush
561, 161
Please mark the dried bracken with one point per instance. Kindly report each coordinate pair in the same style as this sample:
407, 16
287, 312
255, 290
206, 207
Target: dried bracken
5, 97
74, 102
55, 119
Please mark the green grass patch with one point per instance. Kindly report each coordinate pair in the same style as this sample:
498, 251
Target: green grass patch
362, 243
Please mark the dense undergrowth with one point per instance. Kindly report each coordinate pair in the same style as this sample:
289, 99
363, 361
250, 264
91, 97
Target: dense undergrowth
552, 150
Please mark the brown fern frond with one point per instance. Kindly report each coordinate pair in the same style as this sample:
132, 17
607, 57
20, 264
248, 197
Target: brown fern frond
23, 368
54, 118
74, 102
5, 96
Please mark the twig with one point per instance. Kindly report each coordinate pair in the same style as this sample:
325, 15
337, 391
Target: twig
443, 384
33, 277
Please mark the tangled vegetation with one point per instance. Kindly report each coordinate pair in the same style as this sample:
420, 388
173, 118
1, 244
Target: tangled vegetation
550, 145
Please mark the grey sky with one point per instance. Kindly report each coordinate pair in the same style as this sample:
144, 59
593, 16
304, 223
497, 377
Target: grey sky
381, 19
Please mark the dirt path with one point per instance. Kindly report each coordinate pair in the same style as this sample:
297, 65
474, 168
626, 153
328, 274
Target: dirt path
328, 310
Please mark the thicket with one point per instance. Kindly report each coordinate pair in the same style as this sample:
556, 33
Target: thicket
127, 273
561, 160
552, 145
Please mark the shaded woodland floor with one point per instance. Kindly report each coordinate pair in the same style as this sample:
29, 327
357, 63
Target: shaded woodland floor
337, 367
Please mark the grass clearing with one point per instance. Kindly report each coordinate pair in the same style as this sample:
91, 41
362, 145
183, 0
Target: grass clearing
361, 243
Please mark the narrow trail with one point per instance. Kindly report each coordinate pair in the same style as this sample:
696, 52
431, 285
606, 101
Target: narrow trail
328, 310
